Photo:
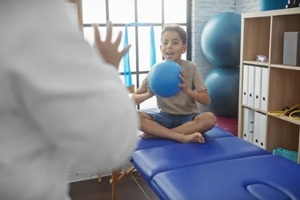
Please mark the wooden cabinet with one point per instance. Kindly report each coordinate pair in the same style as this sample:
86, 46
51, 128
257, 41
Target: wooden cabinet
263, 34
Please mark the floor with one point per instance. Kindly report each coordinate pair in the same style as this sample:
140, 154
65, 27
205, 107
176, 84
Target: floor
127, 189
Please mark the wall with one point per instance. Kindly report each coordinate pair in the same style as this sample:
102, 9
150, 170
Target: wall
245, 6
202, 11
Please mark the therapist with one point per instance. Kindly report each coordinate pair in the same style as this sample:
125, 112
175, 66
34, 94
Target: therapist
61, 102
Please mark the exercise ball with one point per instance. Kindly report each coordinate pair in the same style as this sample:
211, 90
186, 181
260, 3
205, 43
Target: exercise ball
220, 39
272, 4
164, 78
223, 88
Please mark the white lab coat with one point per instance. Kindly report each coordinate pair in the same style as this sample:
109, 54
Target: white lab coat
59, 103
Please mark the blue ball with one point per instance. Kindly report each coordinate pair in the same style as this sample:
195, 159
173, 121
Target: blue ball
164, 78
220, 39
223, 88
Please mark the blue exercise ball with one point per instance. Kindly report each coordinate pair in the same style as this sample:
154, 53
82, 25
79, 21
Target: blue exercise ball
220, 39
164, 78
223, 88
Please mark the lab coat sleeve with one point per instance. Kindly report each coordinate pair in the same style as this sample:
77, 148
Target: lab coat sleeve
75, 100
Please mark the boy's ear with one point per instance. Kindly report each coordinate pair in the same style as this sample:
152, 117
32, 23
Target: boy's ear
184, 48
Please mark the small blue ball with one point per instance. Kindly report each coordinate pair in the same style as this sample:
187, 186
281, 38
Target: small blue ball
164, 79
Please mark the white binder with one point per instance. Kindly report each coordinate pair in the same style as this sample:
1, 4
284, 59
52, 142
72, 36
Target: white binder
256, 128
263, 131
248, 125
264, 89
245, 85
259, 134
257, 87
251, 81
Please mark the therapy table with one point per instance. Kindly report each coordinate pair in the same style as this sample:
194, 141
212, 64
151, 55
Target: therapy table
224, 168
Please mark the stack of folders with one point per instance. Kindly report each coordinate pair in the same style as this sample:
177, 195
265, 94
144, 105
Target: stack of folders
255, 84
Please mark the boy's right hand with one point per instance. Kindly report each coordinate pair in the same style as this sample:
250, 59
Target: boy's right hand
149, 92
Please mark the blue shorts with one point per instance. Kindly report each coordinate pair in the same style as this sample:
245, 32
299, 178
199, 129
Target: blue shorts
171, 120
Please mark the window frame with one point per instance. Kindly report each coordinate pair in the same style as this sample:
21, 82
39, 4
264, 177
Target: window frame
137, 72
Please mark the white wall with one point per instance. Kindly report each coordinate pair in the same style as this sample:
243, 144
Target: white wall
202, 11
245, 6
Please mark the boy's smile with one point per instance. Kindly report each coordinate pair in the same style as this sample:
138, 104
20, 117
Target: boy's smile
172, 46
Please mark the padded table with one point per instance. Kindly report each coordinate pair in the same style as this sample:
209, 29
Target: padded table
225, 167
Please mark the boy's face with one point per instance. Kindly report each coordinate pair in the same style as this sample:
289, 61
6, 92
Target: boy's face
172, 46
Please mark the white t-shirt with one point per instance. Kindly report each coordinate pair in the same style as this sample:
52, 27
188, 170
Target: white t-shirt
60, 103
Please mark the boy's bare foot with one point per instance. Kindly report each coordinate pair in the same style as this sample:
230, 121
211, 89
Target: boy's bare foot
194, 137
184, 138
145, 136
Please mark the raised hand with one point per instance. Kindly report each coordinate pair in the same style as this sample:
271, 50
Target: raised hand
108, 48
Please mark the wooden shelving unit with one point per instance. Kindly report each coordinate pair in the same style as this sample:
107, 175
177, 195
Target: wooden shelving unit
263, 34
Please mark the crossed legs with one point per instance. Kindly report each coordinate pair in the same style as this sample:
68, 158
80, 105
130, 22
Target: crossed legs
189, 132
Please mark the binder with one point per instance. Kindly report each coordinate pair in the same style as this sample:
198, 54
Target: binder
256, 131
264, 89
245, 85
248, 124
257, 87
259, 134
251, 81
263, 130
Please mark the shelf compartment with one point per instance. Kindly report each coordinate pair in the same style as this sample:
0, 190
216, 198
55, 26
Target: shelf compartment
284, 88
282, 134
256, 37
280, 25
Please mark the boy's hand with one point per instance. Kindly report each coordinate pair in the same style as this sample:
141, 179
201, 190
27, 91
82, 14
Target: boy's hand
184, 85
149, 92
109, 49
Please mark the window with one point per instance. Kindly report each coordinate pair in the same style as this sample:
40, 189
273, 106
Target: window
138, 16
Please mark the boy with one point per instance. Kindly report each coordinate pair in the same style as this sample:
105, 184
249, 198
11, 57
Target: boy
179, 118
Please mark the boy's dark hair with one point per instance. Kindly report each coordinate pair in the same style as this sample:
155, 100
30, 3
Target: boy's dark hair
175, 28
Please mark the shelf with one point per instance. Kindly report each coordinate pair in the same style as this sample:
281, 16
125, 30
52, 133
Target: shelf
271, 13
255, 109
285, 67
263, 34
286, 118
256, 63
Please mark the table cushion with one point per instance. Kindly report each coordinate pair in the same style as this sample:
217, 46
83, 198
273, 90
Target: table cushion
151, 161
265, 177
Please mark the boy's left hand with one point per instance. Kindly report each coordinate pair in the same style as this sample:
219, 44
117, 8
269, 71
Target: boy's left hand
184, 85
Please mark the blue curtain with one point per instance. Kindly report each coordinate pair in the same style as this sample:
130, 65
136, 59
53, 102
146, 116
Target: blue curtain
126, 59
